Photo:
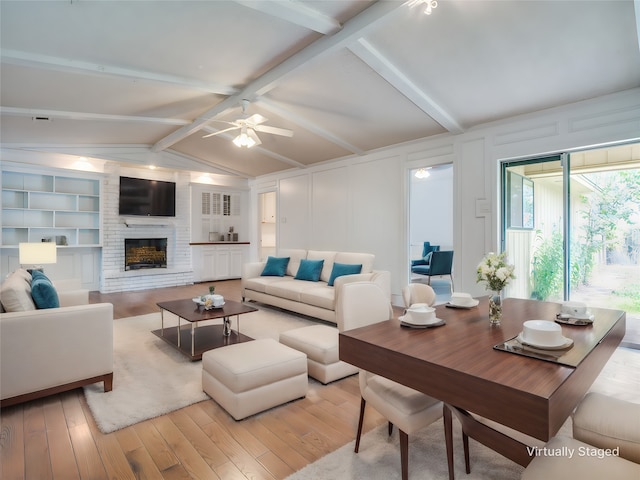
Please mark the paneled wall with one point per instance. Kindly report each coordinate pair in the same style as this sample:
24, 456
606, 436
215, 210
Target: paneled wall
361, 203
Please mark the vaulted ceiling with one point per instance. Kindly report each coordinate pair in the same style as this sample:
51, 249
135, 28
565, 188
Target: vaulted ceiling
120, 79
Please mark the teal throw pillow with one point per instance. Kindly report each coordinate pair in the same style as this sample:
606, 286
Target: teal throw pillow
340, 269
42, 291
427, 257
275, 267
309, 270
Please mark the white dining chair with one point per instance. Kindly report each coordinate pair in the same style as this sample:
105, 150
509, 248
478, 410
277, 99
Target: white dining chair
361, 304
418, 293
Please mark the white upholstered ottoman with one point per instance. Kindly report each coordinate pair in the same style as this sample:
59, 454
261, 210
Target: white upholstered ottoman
320, 344
250, 377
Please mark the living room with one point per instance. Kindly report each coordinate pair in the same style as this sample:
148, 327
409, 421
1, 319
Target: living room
340, 200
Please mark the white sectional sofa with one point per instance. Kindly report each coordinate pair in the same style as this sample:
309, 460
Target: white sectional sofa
313, 298
51, 350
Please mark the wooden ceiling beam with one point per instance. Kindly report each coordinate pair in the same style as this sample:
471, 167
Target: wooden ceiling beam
25, 59
352, 30
102, 117
296, 13
387, 70
307, 125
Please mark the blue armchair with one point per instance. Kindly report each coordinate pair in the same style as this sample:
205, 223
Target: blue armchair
441, 264
427, 248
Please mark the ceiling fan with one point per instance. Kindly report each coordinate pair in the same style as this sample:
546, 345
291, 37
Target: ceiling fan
248, 126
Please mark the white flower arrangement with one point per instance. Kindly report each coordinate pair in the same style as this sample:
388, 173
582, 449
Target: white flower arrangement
495, 271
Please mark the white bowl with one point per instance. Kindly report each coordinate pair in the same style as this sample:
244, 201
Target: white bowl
543, 333
462, 299
418, 314
575, 309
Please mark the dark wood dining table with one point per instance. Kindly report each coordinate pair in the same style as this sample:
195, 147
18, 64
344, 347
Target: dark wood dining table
458, 364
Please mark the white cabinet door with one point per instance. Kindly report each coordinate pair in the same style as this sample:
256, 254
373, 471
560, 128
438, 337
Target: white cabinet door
217, 262
222, 262
236, 259
204, 263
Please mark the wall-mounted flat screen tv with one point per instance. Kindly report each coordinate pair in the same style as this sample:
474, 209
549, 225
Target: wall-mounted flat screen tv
151, 198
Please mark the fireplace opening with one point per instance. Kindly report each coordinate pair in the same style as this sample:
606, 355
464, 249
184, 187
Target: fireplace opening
145, 253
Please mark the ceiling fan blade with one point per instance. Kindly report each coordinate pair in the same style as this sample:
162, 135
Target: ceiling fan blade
275, 130
255, 119
221, 131
253, 136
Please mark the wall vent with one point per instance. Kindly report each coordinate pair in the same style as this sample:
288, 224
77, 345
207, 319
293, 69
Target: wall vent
41, 119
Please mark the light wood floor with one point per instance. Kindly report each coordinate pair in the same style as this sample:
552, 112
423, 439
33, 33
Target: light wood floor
56, 437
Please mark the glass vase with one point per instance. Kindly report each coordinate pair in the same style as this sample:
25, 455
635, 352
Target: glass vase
495, 309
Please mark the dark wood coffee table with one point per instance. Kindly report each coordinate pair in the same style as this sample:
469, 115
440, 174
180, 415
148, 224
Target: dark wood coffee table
184, 338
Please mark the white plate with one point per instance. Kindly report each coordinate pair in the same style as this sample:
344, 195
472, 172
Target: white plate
470, 305
436, 322
566, 343
413, 325
586, 316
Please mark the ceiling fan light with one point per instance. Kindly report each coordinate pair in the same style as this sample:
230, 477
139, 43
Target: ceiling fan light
244, 139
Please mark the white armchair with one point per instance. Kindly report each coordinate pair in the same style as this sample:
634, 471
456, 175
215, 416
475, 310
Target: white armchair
364, 303
605, 443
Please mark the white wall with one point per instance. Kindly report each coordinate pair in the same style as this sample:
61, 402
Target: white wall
361, 203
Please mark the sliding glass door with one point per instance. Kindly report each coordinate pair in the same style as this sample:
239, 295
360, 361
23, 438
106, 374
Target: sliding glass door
571, 226
533, 219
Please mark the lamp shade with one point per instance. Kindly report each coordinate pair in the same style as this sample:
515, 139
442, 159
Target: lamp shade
37, 253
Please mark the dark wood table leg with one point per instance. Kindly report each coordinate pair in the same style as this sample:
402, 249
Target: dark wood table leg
448, 436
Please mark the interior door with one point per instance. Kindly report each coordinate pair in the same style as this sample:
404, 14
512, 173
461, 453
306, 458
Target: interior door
267, 208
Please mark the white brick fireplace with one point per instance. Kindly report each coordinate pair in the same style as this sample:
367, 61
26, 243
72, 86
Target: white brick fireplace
117, 228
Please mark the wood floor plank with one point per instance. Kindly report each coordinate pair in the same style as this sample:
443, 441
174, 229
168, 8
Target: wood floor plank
229, 471
329, 430
197, 414
113, 458
38, 463
242, 459
282, 449
142, 465
177, 472
156, 446
12, 443
278, 467
189, 458
87, 456
240, 432
208, 450
73, 409
284, 431
128, 438
63, 462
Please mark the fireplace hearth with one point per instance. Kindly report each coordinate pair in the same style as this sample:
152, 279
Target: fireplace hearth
142, 253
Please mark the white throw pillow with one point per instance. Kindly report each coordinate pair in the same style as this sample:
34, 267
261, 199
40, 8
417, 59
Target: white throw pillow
15, 293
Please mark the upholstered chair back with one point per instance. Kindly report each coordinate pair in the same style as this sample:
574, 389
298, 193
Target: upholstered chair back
418, 293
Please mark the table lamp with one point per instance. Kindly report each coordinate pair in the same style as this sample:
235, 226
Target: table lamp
37, 254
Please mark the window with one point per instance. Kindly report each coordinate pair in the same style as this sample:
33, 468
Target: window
519, 201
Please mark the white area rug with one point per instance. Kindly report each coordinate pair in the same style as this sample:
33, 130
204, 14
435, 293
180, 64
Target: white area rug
151, 378
379, 456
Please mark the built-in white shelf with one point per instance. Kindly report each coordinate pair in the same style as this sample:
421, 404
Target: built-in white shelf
61, 209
